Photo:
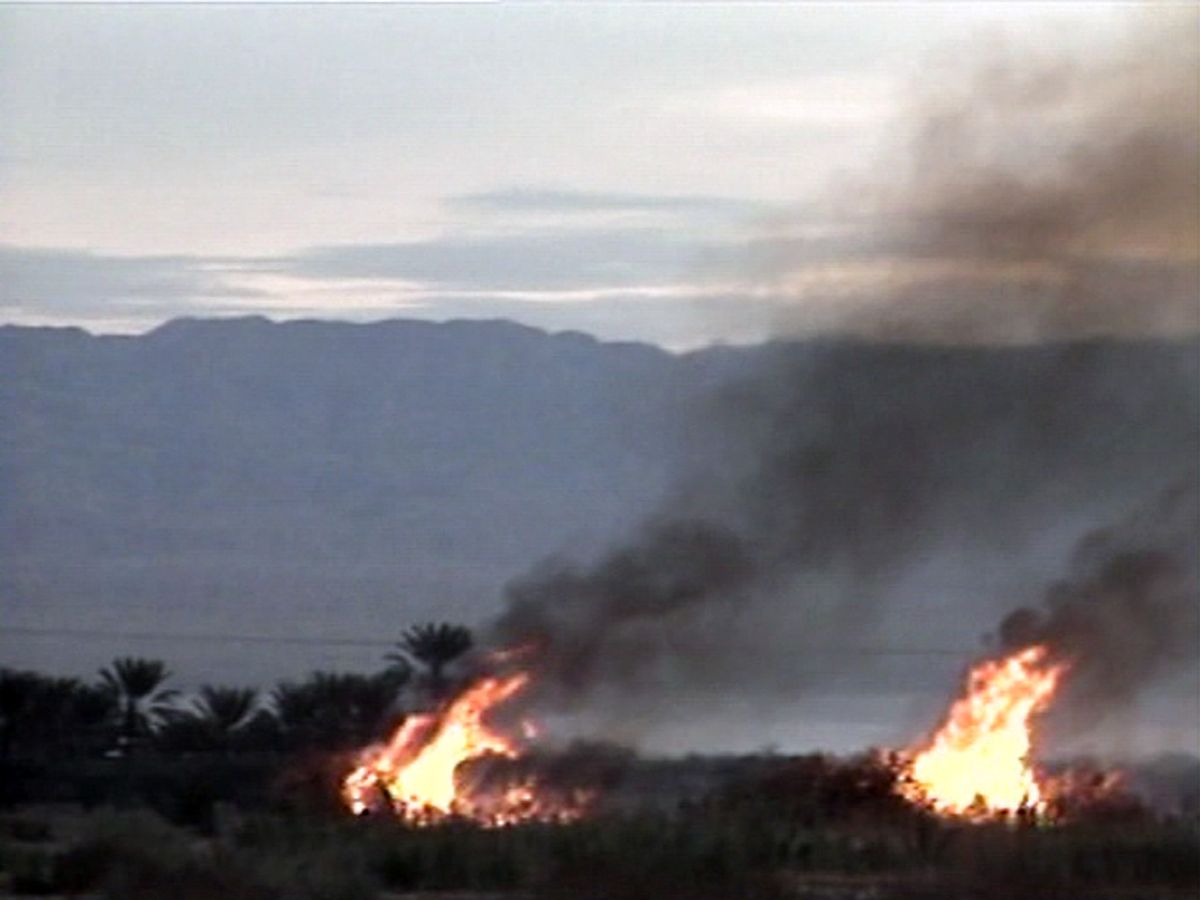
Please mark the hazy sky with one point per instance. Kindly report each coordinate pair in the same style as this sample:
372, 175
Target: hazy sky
625, 169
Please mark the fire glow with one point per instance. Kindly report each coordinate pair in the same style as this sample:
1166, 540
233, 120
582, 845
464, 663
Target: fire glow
977, 764
424, 772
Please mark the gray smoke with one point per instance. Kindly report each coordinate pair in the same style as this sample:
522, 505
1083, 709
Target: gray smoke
1030, 193
571, 618
1129, 609
1043, 201
828, 473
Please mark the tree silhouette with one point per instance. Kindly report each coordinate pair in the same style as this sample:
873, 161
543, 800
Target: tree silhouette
18, 696
434, 646
54, 708
224, 710
49, 714
93, 713
138, 683
217, 717
332, 710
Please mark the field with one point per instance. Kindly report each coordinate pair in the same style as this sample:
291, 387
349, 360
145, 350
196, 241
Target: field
805, 827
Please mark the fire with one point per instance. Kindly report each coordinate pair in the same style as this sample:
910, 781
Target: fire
425, 772
416, 768
977, 764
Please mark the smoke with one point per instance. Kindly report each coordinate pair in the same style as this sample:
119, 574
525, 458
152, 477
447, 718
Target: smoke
826, 476
562, 776
1041, 199
569, 617
1129, 609
1029, 193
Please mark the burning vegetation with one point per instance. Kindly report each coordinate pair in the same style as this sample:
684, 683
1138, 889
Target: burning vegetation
978, 763
446, 764
1132, 588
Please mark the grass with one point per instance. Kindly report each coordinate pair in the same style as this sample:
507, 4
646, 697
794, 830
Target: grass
804, 829
703, 855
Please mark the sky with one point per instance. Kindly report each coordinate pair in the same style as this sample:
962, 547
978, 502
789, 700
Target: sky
636, 171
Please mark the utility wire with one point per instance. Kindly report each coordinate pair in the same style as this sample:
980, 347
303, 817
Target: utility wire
967, 649
91, 634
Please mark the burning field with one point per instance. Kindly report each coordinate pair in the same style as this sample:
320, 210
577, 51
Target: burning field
966, 445
978, 765
980, 761
449, 763
973, 809
1125, 614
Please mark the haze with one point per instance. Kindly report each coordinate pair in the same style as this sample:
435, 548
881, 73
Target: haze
479, 269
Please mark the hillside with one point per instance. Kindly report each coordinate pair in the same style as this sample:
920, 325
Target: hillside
335, 482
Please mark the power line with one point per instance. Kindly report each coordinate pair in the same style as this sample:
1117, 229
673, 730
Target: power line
301, 640
825, 649
93, 633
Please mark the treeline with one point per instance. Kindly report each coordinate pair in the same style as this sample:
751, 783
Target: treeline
131, 707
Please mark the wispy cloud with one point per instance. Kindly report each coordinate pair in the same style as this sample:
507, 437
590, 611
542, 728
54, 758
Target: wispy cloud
56, 281
550, 259
557, 200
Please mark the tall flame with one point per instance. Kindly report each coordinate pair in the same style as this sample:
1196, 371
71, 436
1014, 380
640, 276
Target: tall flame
977, 763
441, 764
416, 767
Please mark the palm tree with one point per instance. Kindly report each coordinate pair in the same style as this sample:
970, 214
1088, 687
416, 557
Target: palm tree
373, 701
332, 710
138, 683
93, 713
435, 646
224, 710
18, 697
54, 705
314, 712
48, 714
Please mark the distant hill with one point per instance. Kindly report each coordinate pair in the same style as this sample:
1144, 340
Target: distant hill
248, 477
334, 481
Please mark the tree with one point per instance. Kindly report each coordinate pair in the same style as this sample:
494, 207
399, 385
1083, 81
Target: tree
225, 708
137, 684
50, 715
93, 715
434, 646
18, 695
54, 707
335, 710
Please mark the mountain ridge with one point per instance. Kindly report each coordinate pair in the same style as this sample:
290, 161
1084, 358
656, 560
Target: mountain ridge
240, 475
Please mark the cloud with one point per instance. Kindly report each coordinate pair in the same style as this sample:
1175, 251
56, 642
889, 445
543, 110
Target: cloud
616, 284
49, 282
543, 259
817, 103
557, 200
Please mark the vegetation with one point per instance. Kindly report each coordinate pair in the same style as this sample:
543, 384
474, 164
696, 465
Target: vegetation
750, 849
435, 647
231, 794
131, 707
138, 686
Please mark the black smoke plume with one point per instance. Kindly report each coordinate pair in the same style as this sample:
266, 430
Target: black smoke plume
1028, 193
1040, 373
566, 616
829, 473
1129, 609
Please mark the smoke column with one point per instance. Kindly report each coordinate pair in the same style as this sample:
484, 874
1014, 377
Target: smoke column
1035, 195
1128, 609
1048, 207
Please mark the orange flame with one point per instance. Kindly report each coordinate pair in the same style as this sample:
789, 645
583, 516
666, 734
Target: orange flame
416, 767
977, 764
419, 772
